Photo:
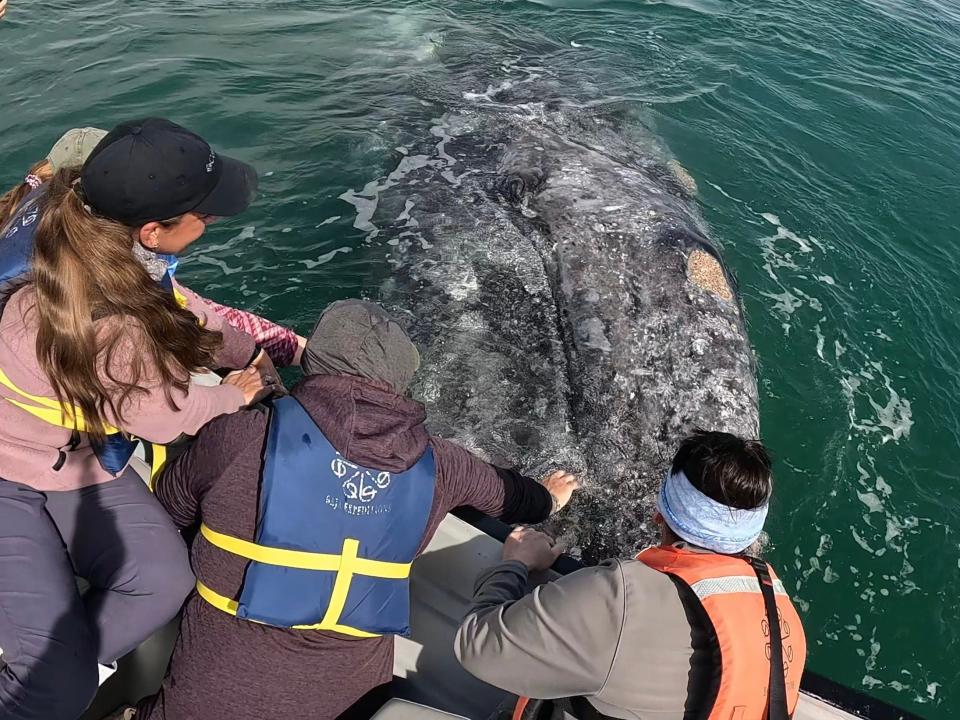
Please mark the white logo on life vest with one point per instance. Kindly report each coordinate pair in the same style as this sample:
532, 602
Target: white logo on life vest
28, 219
360, 484
210, 161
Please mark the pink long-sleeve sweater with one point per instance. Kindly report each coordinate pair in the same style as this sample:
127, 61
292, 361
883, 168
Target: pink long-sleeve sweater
30, 447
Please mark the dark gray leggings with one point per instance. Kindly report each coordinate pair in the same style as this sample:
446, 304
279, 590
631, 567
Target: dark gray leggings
116, 536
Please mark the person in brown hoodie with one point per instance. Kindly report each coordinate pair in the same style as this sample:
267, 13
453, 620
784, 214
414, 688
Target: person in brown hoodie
358, 364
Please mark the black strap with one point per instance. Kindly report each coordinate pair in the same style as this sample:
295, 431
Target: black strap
777, 695
581, 708
71, 446
578, 707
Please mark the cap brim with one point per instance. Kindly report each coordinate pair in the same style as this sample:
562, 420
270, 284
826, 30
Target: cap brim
234, 192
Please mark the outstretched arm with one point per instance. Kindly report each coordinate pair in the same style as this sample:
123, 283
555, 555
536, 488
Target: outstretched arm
148, 413
467, 481
281, 343
559, 641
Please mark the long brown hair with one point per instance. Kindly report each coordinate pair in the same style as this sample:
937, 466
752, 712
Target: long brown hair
84, 268
10, 200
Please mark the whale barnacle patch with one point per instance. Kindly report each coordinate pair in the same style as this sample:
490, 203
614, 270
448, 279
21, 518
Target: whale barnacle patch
683, 177
705, 271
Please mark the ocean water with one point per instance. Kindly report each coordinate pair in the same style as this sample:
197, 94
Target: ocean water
823, 137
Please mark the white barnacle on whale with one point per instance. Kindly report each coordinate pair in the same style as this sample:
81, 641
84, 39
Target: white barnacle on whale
683, 176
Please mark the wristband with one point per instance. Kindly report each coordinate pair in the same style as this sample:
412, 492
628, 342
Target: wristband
256, 353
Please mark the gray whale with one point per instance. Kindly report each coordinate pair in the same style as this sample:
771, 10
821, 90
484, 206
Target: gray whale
551, 267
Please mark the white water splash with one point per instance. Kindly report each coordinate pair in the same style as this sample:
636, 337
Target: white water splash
325, 258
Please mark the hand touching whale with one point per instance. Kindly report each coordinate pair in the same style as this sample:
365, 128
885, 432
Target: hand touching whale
561, 485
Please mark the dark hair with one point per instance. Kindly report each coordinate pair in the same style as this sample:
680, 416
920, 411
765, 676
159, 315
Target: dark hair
726, 468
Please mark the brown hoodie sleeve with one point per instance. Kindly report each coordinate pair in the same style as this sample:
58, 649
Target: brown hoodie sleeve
463, 479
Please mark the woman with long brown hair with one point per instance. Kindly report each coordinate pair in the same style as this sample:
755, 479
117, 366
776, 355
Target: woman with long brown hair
19, 213
94, 351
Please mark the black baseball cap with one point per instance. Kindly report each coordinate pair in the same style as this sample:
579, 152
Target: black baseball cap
153, 169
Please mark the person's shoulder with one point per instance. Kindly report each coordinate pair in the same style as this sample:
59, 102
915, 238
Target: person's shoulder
641, 572
604, 577
450, 448
647, 587
235, 437
20, 299
12, 303
242, 424
120, 332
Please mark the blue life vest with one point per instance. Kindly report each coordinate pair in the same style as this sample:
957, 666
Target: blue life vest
334, 540
16, 245
166, 282
16, 240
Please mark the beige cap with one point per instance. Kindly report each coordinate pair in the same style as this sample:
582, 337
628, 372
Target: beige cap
71, 150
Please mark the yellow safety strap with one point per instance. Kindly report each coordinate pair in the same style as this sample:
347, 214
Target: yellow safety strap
183, 302
71, 418
346, 565
341, 586
304, 560
230, 606
159, 460
49, 409
180, 298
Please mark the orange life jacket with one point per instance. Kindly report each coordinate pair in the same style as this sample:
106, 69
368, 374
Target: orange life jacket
729, 591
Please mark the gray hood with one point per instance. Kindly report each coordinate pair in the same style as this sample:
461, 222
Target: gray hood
354, 337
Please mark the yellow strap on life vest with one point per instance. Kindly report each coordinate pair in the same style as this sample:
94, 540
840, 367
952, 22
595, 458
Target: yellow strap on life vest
182, 301
157, 463
71, 418
49, 410
230, 607
180, 298
341, 586
304, 560
346, 565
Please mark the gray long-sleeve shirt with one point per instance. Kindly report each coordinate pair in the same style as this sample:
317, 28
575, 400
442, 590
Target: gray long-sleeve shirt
620, 634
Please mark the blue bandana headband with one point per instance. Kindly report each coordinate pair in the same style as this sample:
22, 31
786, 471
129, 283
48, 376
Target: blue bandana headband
703, 521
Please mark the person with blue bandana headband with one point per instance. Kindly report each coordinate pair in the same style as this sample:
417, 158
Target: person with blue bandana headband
695, 627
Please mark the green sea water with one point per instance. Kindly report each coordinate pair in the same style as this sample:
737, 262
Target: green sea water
823, 136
